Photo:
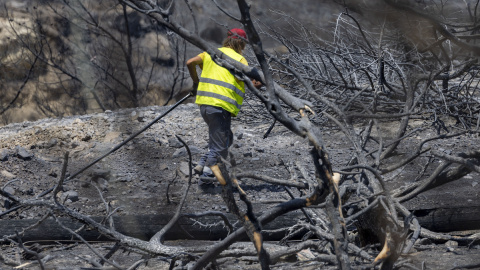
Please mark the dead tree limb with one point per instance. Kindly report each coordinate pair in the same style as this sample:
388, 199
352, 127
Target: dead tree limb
158, 238
457, 159
303, 128
31, 252
439, 26
314, 198
248, 219
27, 78
213, 213
97, 253
329, 237
271, 180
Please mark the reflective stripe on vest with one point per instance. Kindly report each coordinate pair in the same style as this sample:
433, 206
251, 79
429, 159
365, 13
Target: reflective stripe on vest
218, 87
224, 84
218, 96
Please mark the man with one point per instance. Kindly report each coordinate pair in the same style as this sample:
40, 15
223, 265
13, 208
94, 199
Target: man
220, 95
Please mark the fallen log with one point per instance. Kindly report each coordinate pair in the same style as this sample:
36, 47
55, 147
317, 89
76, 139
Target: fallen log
449, 219
143, 227
451, 207
212, 227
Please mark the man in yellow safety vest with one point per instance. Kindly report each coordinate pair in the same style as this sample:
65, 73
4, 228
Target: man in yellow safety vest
220, 95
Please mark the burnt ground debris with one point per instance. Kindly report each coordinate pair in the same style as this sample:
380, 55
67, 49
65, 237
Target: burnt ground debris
148, 175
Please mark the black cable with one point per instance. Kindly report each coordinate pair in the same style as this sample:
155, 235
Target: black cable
120, 144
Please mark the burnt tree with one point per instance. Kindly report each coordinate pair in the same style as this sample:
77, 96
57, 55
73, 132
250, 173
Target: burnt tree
394, 97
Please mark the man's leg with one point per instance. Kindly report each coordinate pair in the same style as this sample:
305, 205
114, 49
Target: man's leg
201, 163
220, 134
220, 138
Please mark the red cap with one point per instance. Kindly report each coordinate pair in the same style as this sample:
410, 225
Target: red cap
237, 32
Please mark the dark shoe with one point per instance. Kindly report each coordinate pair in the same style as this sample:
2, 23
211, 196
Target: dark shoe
207, 185
208, 177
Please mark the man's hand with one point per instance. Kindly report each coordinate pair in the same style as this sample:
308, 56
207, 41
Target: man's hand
257, 84
194, 89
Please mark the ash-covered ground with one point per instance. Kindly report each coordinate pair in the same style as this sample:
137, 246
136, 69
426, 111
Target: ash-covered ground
149, 174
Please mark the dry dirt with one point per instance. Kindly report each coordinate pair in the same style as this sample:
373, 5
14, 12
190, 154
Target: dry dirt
135, 178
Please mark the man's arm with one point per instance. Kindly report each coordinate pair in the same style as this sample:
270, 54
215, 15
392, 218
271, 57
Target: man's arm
192, 64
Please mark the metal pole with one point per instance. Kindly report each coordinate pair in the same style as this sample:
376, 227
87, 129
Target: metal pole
121, 144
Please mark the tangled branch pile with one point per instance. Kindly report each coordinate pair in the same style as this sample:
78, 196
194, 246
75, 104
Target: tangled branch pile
378, 83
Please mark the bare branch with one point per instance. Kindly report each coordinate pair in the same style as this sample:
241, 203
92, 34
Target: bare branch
159, 236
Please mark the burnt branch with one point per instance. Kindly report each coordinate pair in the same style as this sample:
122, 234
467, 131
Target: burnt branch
288, 183
158, 238
248, 218
96, 252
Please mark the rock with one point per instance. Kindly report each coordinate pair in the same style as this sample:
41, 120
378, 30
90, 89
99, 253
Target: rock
86, 138
279, 162
84, 181
53, 173
173, 142
7, 174
4, 155
9, 190
474, 184
184, 168
112, 136
163, 167
85, 184
130, 147
424, 242
183, 152
161, 141
115, 203
451, 244
137, 116
30, 191
195, 150
78, 121
7, 204
239, 136
71, 195
237, 145
305, 255
51, 143
179, 153
23, 153
74, 144
272, 162
248, 154
260, 150
100, 173
133, 115
153, 185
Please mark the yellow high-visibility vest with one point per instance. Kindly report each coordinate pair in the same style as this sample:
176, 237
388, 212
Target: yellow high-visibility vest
218, 87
